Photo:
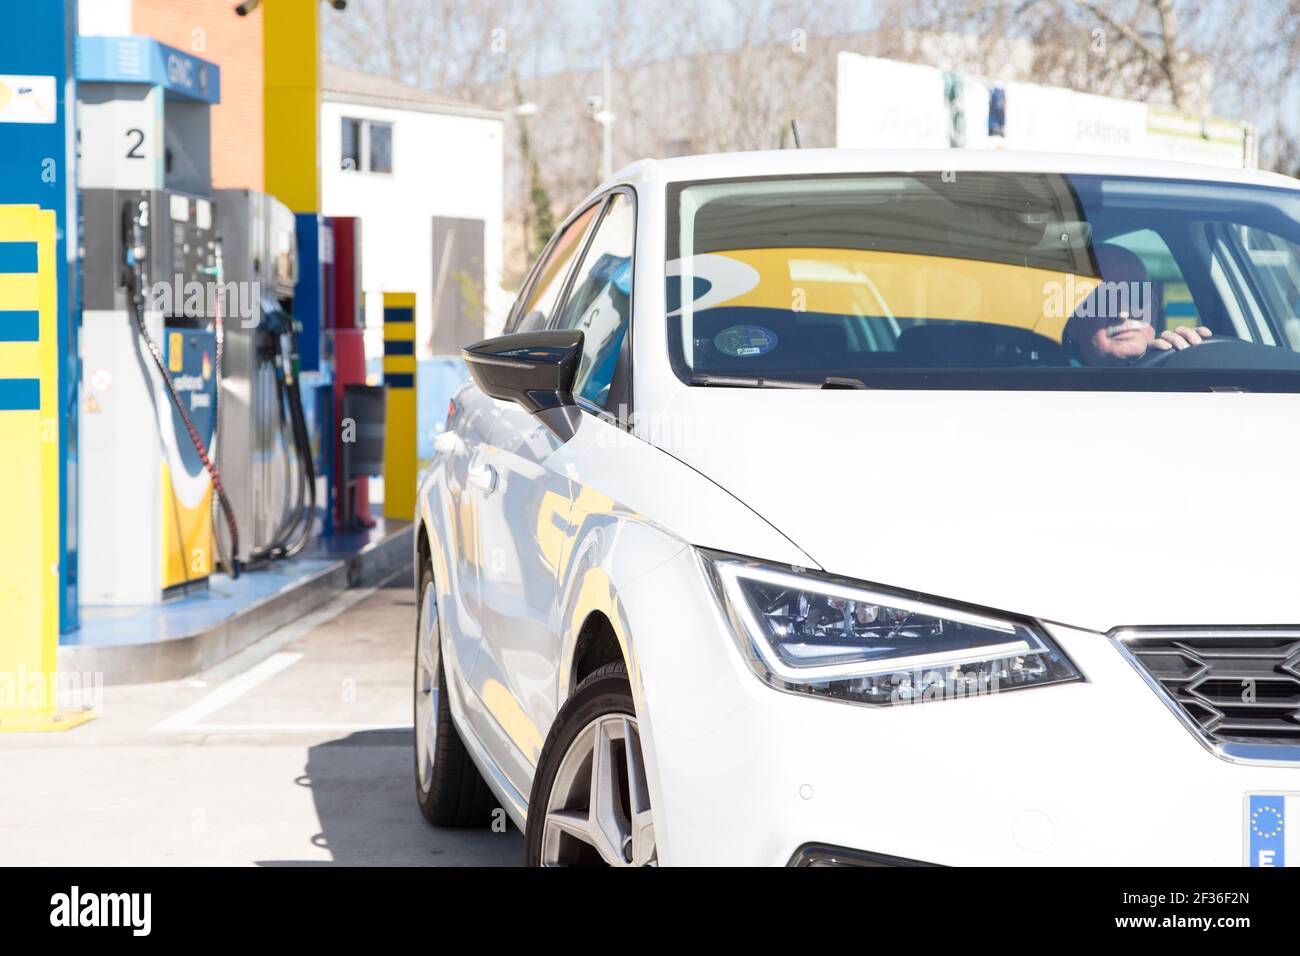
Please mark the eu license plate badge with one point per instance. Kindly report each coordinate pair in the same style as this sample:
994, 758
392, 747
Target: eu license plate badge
1272, 837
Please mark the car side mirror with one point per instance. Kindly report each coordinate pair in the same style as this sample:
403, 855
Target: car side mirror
535, 370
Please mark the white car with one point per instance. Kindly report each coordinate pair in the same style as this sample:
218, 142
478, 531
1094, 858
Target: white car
836, 507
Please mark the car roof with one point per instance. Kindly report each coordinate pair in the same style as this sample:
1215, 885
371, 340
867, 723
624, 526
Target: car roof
782, 162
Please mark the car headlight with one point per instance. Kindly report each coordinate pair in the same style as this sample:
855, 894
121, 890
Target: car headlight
816, 634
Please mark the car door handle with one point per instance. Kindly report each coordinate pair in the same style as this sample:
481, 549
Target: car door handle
484, 477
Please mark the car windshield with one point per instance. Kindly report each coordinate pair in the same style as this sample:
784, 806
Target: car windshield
984, 280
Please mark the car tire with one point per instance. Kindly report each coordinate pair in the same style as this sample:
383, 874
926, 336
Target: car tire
563, 827
449, 788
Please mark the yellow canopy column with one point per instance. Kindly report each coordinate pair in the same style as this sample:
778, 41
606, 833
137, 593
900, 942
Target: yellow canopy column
291, 51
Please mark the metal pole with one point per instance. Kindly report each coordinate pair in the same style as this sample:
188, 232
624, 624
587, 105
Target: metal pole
607, 128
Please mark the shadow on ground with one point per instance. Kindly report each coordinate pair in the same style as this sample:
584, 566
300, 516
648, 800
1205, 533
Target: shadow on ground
363, 788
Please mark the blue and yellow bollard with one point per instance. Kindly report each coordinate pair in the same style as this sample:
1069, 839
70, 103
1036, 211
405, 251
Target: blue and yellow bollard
399, 426
29, 478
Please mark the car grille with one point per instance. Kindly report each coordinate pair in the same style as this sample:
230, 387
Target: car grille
1234, 685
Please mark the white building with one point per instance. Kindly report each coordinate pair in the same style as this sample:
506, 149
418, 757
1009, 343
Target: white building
425, 175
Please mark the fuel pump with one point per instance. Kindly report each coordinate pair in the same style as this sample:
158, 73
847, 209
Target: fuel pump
149, 358
265, 457
150, 364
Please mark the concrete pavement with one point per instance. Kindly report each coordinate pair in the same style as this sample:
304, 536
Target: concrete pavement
296, 752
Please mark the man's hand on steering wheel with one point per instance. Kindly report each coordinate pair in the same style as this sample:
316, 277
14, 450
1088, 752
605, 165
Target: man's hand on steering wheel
1182, 337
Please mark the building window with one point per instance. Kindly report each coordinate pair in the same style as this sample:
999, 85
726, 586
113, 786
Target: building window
381, 147
351, 151
366, 146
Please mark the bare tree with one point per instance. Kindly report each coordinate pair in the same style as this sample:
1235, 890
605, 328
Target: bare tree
1140, 49
1234, 57
451, 45
746, 69
1161, 47
1276, 56
687, 76
721, 75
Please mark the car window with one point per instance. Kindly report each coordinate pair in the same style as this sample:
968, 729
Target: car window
600, 300
538, 307
1275, 262
1237, 282
924, 280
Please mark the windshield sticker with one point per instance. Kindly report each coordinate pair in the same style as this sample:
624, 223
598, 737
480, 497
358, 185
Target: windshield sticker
745, 341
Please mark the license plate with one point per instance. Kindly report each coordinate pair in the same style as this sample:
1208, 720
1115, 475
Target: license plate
1272, 829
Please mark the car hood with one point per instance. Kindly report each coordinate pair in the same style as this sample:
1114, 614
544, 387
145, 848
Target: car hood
1092, 509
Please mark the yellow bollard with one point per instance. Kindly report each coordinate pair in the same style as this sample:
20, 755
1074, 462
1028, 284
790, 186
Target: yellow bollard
29, 475
400, 425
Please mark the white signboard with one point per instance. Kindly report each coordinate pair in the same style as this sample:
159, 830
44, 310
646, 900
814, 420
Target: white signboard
1051, 119
975, 114
884, 104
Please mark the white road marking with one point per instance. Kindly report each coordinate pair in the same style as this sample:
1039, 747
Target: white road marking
285, 635
260, 662
230, 691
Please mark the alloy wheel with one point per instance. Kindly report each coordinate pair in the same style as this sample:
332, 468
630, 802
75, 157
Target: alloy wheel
598, 812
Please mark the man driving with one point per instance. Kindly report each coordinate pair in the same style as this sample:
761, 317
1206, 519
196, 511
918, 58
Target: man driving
1112, 326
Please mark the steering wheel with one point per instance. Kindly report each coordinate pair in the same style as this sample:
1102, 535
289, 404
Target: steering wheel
1157, 357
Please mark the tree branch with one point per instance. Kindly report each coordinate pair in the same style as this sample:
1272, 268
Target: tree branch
1163, 59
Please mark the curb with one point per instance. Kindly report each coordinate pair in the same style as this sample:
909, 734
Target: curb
179, 657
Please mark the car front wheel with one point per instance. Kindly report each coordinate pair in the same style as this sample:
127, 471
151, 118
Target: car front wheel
590, 804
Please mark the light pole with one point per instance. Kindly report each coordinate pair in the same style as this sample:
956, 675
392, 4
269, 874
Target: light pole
599, 107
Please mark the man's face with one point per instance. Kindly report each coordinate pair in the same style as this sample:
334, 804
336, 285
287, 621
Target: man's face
1114, 336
